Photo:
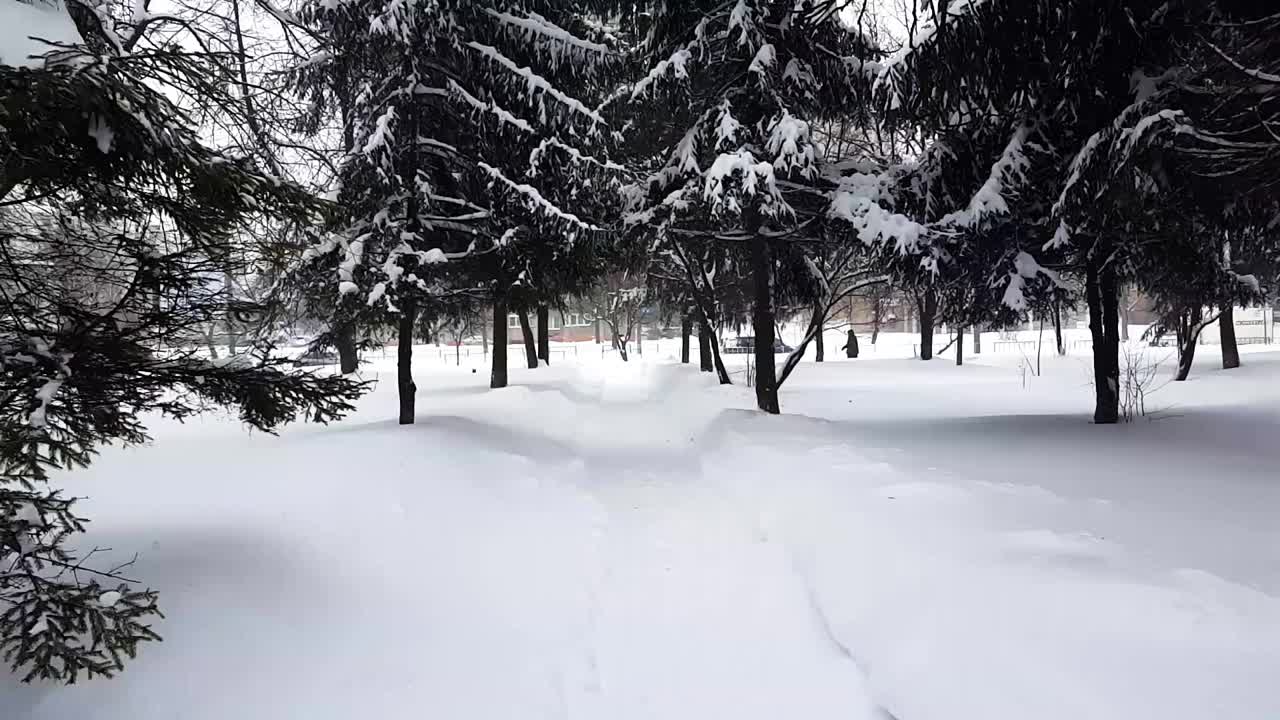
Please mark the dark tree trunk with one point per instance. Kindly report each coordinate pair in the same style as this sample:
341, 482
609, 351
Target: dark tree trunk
1227, 328
977, 340
819, 346
544, 334
875, 333
812, 334
722, 374
1189, 327
208, 339
639, 338
620, 344
705, 338
1185, 359
498, 379
1057, 326
959, 346
404, 361
762, 321
928, 312
484, 337
345, 341
1103, 327
530, 347
597, 329
686, 328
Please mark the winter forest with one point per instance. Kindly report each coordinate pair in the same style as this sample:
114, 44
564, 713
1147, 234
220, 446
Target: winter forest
871, 359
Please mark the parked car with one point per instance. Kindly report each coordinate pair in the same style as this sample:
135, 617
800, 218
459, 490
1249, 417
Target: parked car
747, 344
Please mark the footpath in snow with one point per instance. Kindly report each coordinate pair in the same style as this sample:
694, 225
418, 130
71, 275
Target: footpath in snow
631, 541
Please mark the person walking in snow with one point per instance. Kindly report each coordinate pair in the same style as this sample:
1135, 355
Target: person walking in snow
851, 347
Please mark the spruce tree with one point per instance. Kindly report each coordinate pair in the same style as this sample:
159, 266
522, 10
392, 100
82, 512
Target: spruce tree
728, 102
469, 145
116, 225
1111, 104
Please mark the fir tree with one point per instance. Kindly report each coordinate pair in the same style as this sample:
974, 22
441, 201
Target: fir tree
116, 226
728, 101
469, 145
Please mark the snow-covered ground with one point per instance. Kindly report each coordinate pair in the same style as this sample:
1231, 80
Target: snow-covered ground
606, 540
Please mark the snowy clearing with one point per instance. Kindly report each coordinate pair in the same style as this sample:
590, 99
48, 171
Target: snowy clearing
606, 540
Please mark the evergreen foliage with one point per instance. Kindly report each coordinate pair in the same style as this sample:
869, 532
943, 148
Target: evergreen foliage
116, 225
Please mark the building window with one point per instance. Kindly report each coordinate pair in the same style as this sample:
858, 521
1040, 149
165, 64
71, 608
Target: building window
513, 321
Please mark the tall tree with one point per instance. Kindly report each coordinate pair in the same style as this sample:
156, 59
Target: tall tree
728, 102
117, 224
458, 108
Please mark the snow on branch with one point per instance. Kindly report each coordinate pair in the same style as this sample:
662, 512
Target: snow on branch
347, 268
790, 146
1120, 142
535, 24
1009, 169
382, 134
1025, 268
535, 157
765, 57
677, 64
873, 223
757, 179
1251, 72
503, 115
536, 82
924, 36
533, 198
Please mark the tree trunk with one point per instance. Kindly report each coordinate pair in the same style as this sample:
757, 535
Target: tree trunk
977, 340
811, 334
1057, 326
639, 338
208, 339
762, 320
597, 329
1189, 327
875, 333
345, 341
1103, 322
686, 329
819, 347
620, 344
959, 346
544, 334
722, 374
705, 338
530, 347
484, 337
498, 378
404, 361
1227, 328
928, 312
1124, 317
